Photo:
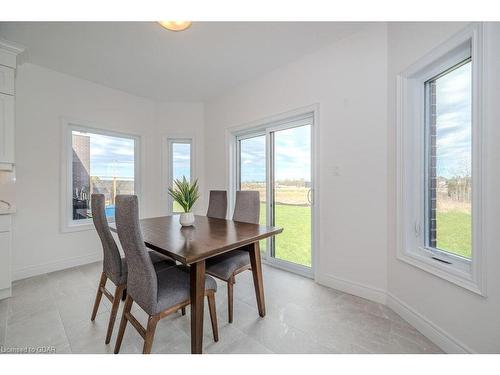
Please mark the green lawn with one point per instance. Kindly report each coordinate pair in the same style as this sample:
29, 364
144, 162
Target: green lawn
294, 244
454, 232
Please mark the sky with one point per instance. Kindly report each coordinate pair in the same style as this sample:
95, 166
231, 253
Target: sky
292, 156
111, 156
453, 111
114, 157
181, 158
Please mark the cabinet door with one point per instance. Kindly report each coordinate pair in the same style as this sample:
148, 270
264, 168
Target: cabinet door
5, 276
6, 80
6, 128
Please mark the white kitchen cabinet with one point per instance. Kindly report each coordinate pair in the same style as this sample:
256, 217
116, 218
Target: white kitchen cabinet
5, 256
6, 130
8, 65
6, 80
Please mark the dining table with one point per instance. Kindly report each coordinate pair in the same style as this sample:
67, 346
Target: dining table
194, 245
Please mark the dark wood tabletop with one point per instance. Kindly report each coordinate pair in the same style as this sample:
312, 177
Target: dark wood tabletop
206, 238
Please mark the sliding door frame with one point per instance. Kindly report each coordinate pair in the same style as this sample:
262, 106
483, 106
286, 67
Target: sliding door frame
267, 126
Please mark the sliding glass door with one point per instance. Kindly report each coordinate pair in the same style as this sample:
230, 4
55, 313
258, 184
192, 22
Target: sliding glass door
277, 161
252, 172
291, 193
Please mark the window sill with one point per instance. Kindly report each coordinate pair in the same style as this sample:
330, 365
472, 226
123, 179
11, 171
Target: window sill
80, 227
442, 270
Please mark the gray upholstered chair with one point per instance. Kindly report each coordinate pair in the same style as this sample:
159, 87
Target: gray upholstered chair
114, 266
217, 204
226, 266
158, 293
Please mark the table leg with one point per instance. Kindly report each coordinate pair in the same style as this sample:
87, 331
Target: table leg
257, 278
197, 281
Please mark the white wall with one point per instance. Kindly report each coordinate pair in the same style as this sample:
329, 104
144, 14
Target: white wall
43, 97
348, 80
453, 317
182, 120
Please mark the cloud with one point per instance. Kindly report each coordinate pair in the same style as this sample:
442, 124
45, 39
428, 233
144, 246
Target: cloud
111, 156
253, 159
292, 155
453, 121
181, 153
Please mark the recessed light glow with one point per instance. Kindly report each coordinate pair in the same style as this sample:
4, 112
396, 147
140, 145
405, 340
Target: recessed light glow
175, 25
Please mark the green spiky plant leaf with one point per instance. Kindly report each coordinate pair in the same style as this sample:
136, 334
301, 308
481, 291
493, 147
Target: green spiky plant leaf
184, 193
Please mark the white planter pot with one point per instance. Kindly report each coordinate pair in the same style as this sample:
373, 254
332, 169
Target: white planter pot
186, 219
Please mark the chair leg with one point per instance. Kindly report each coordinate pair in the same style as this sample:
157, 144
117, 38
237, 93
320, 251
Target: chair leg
123, 324
102, 284
150, 333
213, 315
183, 311
230, 284
124, 296
114, 310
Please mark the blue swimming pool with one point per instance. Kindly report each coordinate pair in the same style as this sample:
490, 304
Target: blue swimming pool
110, 211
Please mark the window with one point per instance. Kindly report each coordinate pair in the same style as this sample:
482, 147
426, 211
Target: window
448, 191
180, 152
439, 162
98, 162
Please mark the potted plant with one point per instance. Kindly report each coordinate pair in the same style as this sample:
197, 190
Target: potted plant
186, 194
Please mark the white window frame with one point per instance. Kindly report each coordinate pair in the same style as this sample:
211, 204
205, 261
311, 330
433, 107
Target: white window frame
68, 126
411, 176
262, 126
169, 162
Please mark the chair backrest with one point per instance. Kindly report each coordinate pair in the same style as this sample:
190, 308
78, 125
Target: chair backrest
112, 262
217, 204
142, 283
247, 207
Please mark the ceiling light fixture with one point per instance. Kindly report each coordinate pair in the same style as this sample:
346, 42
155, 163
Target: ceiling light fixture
175, 25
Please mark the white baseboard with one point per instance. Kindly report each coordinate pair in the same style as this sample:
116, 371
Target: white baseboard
352, 287
58, 265
5, 293
438, 336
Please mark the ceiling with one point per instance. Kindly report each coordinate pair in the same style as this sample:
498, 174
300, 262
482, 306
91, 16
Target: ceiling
146, 60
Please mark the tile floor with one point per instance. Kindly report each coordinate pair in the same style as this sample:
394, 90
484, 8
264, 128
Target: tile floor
53, 310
